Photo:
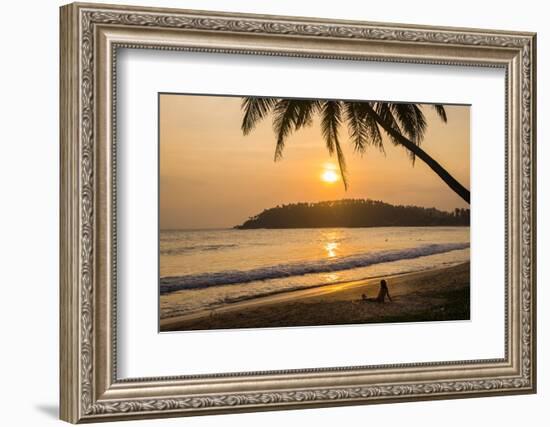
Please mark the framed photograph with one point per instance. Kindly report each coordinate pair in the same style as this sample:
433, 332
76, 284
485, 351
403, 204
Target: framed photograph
304, 260
264, 212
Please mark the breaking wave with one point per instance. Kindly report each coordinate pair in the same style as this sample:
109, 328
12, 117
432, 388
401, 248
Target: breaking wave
229, 277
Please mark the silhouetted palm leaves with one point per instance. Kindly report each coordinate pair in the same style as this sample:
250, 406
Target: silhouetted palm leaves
404, 124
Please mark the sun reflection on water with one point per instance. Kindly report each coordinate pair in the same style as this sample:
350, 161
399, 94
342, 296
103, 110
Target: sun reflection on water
331, 247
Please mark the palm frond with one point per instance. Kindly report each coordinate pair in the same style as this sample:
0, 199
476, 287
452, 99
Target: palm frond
306, 109
331, 118
255, 109
384, 111
356, 126
374, 132
374, 137
411, 120
290, 115
331, 113
440, 110
362, 128
341, 163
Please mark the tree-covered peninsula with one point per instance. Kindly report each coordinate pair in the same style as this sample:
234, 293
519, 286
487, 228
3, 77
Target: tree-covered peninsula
354, 213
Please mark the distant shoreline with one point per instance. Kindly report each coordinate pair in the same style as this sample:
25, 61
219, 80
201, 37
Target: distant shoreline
237, 227
353, 213
434, 294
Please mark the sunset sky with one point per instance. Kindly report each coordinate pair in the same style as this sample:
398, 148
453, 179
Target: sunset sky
211, 176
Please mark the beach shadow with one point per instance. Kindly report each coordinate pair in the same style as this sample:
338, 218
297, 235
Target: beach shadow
50, 410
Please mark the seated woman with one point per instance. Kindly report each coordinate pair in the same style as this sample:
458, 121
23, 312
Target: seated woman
382, 293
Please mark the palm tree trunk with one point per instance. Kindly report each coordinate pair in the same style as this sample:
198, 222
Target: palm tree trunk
456, 186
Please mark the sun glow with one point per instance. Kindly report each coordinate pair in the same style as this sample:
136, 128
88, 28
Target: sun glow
329, 175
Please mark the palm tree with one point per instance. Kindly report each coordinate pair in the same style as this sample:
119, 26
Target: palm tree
404, 124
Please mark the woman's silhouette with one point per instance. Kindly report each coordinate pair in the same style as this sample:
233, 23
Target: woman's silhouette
382, 293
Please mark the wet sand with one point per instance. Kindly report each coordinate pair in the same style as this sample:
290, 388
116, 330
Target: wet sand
430, 295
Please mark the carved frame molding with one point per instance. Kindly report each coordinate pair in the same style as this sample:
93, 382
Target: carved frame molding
90, 37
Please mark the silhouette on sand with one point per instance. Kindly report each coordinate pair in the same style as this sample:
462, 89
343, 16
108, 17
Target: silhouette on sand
383, 292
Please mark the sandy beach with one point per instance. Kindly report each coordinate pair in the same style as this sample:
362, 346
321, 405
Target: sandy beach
430, 295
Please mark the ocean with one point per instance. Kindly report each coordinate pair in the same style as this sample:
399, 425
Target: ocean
210, 268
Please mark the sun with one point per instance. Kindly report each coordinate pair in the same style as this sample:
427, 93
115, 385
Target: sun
329, 175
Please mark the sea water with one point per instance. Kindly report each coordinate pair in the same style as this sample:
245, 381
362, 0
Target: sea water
210, 268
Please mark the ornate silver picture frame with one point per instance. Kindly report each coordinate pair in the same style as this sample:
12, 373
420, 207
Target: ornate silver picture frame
91, 35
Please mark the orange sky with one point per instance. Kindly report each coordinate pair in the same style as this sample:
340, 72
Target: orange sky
212, 176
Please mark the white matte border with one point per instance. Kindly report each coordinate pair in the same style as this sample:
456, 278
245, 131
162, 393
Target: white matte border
143, 352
